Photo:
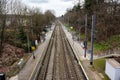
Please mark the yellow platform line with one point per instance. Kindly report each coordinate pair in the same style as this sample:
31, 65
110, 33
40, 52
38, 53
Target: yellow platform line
33, 70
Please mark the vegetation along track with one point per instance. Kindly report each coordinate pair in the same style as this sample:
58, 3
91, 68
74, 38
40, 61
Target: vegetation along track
59, 62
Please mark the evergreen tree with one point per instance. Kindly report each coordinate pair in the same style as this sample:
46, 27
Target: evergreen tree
22, 35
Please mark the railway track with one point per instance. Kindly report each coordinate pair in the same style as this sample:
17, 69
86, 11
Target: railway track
59, 62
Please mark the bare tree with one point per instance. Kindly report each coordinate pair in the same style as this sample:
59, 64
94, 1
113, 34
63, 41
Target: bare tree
3, 12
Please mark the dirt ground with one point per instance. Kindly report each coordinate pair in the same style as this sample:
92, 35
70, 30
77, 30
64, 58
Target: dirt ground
9, 59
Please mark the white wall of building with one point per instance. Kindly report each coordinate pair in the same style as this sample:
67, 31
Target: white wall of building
117, 75
110, 71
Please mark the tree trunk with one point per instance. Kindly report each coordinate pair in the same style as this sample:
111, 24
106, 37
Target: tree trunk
2, 33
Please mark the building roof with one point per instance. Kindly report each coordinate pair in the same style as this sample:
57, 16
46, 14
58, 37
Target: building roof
117, 59
114, 62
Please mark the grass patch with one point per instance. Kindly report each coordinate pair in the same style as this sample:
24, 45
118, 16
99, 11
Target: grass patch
100, 47
69, 27
111, 43
115, 38
82, 36
99, 65
114, 41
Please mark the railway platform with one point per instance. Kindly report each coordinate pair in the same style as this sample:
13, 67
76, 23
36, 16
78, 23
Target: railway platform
29, 67
84, 61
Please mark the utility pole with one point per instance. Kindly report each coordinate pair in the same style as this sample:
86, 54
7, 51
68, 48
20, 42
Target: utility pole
68, 21
28, 39
11, 12
28, 43
31, 31
79, 2
80, 31
85, 42
92, 38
